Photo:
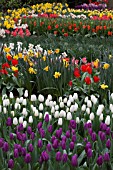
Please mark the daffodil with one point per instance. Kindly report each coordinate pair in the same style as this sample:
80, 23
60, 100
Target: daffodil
31, 70
7, 50
44, 58
14, 68
103, 86
46, 68
106, 66
57, 75
57, 50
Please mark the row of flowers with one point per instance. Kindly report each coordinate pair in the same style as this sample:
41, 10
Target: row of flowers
43, 133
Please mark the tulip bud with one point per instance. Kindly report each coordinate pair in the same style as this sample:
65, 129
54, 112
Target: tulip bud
68, 103
4, 110
11, 95
24, 102
62, 113
91, 116
77, 120
52, 109
0, 108
101, 117
15, 121
47, 102
56, 115
60, 121
24, 124
60, 99
21, 99
41, 98
21, 119
65, 100
88, 110
83, 107
49, 97
33, 98
40, 115
36, 113
75, 96
61, 104
69, 116
107, 120
30, 119
86, 99
26, 93
41, 107
56, 107
89, 104
24, 112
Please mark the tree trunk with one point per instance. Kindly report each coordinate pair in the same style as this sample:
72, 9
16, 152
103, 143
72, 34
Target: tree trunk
110, 4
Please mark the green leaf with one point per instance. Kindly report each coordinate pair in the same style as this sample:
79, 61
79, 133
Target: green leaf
81, 157
20, 91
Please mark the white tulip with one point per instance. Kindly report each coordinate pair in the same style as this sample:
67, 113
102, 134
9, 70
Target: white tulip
34, 109
6, 102
30, 119
17, 100
69, 116
47, 102
24, 124
77, 120
92, 97
60, 121
51, 103
57, 107
88, 110
21, 99
92, 116
67, 109
71, 98
107, 120
21, 119
65, 100
26, 93
76, 106
24, 102
86, 99
112, 96
99, 112
4, 110
36, 113
101, 117
49, 97
52, 109
61, 104
15, 121
72, 108
41, 98
33, 98
89, 121
60, 99
41, 107
56, 114
24, 112
62, 113
54, 103
83, 108
11, 95
89, 104
75, 96
68, 103
40, 115
12, 113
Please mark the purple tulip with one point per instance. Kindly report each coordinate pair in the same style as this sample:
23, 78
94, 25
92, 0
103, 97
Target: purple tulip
23, 151
27, 158
93, 136
42, 133
108, 143
106, 157
55, 144
50, 128
19, 148
71, 145
73, 138
45, 156
102, 136
72, 124
64, 157
40, 144
30, 148
63, 145
88, 146
89, 153
11, 136
64, 138
5, 147
73, 131
39, 125
11, 164
58, 133
48, 147
85, 140
90, 131
1, 142
103, 126
100, 160
19, 136
16, 153
53, 138
20, 127
58, 156
108, 131
74, 161
24, 137
47, 118
85, 126
32, 135
68, 134
29, 130
9, 121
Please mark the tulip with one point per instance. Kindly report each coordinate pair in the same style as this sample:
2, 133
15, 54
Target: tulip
55, 144
60, 121
41, 98
11, 136
11, 163
47, 118
9, 121
5, 147
29, 130
72, 124
11, 95
32, 135
100, 160
89, 153
50, 128
33, 98
27, 158
30, 119
106, 157
16, 153
30, 148
39, 125
44, 156
26, 93
40, 144
58, 156
69, 116
74, 160
64, 158
108, 143
48, 147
